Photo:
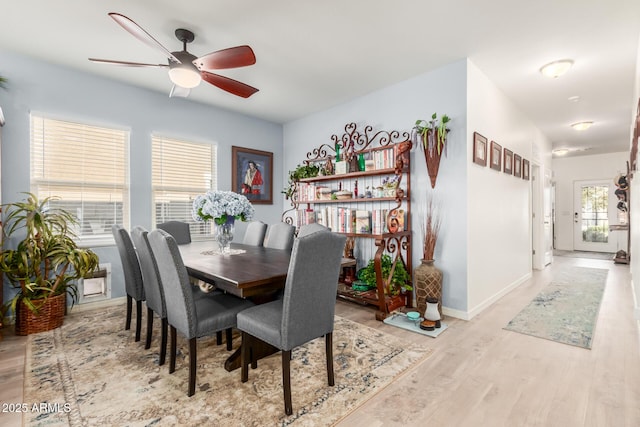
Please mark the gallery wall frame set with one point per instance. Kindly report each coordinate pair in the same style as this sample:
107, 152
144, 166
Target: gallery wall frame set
500, 159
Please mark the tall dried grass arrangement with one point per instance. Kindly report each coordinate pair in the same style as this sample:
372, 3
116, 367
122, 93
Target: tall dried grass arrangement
430, 230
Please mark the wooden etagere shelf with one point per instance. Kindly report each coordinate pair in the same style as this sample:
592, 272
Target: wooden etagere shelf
389, 226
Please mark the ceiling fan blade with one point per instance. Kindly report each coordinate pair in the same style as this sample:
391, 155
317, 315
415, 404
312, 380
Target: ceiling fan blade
233, 57
137, 31
232, 86
126, 63
179, 91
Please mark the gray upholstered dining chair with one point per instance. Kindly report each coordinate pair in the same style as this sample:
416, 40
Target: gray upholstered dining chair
279, 236
307, 310
314, 227
193, 317
254, 235
132, 275
152, 289
178, 229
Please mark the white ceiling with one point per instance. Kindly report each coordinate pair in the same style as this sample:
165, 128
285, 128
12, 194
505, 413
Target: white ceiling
312, 55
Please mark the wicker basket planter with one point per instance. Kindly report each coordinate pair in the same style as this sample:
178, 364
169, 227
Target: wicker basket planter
50, 316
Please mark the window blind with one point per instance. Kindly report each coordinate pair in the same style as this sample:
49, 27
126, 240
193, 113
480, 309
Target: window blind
181, 170
86, 168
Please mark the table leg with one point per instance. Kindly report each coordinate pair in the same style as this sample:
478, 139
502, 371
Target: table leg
259, 350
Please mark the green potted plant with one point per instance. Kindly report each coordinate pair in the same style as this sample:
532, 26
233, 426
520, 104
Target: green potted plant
45, 265
400, 281
300, 172
432, 137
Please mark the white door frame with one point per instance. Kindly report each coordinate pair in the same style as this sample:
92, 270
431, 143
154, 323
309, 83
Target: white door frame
537, 217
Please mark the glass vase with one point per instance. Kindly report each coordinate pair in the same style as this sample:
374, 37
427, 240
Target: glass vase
224, 234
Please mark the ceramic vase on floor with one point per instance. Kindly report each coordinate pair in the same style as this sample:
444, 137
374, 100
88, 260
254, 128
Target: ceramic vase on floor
428, 284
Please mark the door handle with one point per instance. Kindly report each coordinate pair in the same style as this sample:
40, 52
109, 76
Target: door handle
575, 217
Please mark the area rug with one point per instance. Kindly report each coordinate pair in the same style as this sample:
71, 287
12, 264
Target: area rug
584, 254
567, 309
91, 372
400, 320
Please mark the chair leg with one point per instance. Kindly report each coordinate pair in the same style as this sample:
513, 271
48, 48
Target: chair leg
229, 339
147, 343
218, 337
138, 319
286, 381
193, 348
127, 324
328, 341
163, 342
244, 357
172, 351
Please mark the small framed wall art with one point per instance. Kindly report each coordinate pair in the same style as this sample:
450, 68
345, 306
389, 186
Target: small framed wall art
517, 166
496, 156
252, 174
479, 149
525, 169
508, 162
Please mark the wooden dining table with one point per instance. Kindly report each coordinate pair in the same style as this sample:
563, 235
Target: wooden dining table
256, 273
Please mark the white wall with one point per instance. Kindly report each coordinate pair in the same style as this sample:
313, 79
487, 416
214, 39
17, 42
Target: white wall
499, 205
397, 107
634, 199
567, 170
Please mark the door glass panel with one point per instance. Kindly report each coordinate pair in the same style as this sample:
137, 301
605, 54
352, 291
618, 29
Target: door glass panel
595, 219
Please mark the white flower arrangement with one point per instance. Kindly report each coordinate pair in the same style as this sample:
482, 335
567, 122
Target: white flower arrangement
219, 205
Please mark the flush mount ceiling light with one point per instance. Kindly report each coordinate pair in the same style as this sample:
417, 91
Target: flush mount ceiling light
582, 125
574, 98
556, 68
560, 151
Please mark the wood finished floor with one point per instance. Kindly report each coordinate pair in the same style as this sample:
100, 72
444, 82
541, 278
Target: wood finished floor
481, 374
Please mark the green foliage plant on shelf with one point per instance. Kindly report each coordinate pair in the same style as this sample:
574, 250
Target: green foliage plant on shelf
3, 82
300, 172
399, 281
47, 261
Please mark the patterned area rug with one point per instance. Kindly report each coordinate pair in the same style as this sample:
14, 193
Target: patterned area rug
91, 372
567, 309
584, 254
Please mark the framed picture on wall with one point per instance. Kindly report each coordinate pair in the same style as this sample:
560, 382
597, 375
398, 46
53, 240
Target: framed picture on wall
479, 149
496, 156
252, 174
525, 169
517, 166
508, 161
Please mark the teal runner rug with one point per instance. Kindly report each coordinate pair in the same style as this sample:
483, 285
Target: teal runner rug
567, 309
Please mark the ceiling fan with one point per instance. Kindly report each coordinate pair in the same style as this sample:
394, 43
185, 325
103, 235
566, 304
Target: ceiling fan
186, 71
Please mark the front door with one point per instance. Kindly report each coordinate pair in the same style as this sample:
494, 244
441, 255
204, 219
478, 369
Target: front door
592, 215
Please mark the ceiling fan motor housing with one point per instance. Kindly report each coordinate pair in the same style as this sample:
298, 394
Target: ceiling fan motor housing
184, 74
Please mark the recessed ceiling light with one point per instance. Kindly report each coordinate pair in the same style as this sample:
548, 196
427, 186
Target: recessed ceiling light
581, 125
575, 98
556, 68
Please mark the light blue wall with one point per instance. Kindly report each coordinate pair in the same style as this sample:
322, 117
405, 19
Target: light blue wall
397, 107
71, 95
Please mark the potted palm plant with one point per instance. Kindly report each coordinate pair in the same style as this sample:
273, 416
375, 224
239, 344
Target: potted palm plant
44, 266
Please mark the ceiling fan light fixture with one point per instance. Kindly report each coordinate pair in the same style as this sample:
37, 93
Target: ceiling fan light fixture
556, 68
185, 75
581, 125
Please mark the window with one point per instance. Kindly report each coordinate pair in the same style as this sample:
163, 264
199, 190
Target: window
86, 168
181, 170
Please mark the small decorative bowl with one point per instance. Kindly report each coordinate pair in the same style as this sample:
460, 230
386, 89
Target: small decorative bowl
413, 315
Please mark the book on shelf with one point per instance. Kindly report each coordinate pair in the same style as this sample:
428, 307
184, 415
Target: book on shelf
363, 222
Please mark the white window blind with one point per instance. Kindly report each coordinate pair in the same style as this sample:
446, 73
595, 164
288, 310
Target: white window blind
86, 167
181, 171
